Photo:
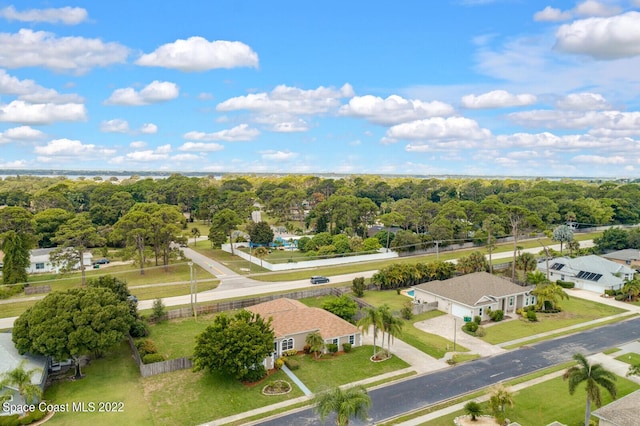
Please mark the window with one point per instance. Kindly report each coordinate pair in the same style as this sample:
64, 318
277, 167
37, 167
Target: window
39, 266
511, 301
480, 312
562, 277
334, 341
287, 344
526, 301
352, 339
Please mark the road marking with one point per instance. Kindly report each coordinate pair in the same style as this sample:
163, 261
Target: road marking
217, 270
497, 374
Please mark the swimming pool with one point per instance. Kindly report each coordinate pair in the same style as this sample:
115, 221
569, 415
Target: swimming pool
411, 293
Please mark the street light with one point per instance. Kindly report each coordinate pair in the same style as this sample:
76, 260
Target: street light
250, 262
455, 328
193, 290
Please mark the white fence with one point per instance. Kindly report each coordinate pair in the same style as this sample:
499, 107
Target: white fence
307, 263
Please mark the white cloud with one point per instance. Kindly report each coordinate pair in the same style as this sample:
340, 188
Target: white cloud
601, 120
602, 38
138, 144
497, 99
64, 15
551, 14
71, 148
241, 132
185, 157
201, 147
598, 159
116, 125
437, 128
278, 155
199, 54
17, 164
394, 109
205, 96
28, 48
583, 102
290, 100
596, 8
154, 92
149, 129
22, 133
26, 113
28, 90
160, 153
290, 126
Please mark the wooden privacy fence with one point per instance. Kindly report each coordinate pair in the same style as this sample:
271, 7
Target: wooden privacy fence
154, 368
37, 289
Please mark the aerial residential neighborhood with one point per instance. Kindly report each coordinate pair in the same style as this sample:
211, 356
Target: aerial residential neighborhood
307, 213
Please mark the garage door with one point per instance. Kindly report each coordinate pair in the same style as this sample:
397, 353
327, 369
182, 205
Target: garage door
591, 287
460, 311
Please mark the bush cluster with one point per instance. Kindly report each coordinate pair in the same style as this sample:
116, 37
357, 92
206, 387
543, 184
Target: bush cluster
565, 284
151, 358
346, 347
279, 363
146, 347
16, 420
496, 315
290, 352
6, 291
291, 364
332, 348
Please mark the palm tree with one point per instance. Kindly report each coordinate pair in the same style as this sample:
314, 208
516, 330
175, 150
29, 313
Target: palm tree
473, 409
315, 342
373, 319
20, 379
261, 253
594, 376
526, 261
196, 233
352, 402
548, 296
391, 325
631, 289
500, 398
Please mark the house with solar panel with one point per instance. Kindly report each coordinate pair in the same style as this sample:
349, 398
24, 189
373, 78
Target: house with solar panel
592, 272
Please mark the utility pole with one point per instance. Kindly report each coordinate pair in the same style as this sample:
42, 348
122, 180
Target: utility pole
546, 256
437, 248
193, 289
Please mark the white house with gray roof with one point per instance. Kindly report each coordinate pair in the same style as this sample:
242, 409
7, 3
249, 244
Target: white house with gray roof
592, 273
40, 261
474, 295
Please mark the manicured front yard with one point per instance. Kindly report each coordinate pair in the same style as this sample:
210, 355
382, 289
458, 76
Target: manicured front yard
177, 338
629, 358
431, 344
547, 402
343, 368
575, 311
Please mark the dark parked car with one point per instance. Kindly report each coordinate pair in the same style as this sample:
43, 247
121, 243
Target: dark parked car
102, 261
316, 279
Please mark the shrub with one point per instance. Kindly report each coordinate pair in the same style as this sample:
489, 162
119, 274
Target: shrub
158, 311
291, 364
477, 319
496, 315
254, 374
139, 329
407, 310
610, 293
332, 348
146, 347
565, 284
531, 316
307, 349
358, 286
346, 347
290, 352
470, 327
279, 363
621, 297
151, 358
480, 331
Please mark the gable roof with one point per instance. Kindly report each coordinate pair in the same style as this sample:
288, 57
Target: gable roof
621, 412
626, 254
291, 317
589, 264
477, 289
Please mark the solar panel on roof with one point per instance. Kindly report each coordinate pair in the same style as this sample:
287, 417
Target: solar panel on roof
557, 266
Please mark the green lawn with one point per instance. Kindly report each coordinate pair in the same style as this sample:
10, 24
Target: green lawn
541, 404
162, 291
629, 358
187, 398
177, 338
113, 378
344, 368
390, 297
431, 344
575, 311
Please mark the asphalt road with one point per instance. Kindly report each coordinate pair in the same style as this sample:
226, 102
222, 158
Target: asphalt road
421, 391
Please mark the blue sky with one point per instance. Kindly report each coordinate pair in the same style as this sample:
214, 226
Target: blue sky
465, 87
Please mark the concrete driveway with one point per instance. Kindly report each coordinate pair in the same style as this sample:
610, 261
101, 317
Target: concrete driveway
447, 326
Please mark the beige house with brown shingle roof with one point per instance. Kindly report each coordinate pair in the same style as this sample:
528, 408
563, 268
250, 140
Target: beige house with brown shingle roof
292, 320
474, 295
